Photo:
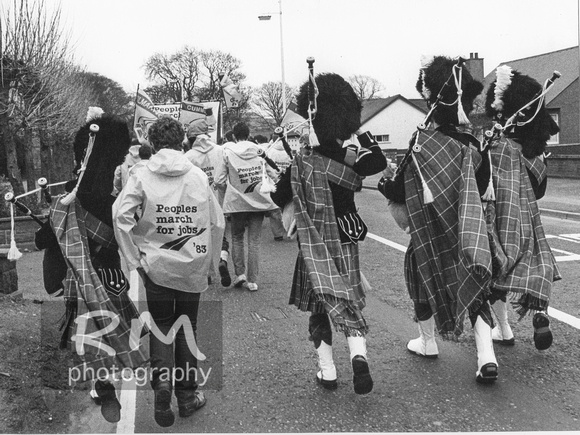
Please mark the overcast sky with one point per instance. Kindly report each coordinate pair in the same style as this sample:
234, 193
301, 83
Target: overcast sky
383, 39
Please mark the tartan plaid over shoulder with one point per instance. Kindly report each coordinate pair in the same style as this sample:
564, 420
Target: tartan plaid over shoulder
523, 261
448, 264
101, 333
319, 238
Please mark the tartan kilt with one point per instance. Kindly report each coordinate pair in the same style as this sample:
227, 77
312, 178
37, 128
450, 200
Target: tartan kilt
304, 298
523, 264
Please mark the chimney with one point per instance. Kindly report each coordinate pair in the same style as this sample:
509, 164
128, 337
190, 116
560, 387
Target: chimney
475, 66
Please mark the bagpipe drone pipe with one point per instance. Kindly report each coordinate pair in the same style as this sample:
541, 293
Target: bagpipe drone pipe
518, 119
54, 266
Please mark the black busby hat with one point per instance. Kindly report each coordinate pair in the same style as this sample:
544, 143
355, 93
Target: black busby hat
447, 79
111, 144
510, 92
338, 108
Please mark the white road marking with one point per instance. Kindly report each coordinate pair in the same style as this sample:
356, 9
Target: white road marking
128, 406
574, 238
563, 317
129, 387
387, 242
553, 312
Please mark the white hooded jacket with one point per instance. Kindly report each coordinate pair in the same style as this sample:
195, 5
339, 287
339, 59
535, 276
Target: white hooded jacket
209, 157
179, 234
243, 174
277, 153
122, 171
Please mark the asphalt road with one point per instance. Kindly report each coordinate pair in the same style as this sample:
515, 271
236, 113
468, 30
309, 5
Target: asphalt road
262, 375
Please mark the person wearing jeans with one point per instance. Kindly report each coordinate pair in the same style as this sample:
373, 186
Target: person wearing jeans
167, 306
246, 201
253, 222
173, 246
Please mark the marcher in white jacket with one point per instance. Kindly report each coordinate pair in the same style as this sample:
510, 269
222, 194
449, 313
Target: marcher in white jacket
172, 245
245, 203
209, 157
122, 171
279, 156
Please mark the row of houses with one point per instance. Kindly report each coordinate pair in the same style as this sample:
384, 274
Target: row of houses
393, 120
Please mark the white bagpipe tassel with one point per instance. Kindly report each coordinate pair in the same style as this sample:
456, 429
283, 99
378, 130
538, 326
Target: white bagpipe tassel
427, 194
268, 185
489, 194
461, 116
312, 103
312, 138
13, 253
71, 196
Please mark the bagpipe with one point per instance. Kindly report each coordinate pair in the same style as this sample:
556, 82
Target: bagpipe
14, 253
282, 132
454, 77
517, 119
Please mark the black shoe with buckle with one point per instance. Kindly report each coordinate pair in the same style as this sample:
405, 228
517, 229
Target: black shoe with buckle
107, 398
164, 415
363, 383
487, 374
542, 334
188, 407
326, 383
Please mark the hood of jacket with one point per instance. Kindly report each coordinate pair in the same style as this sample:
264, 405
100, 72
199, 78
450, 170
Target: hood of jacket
132, 156
278, 146
171, 163
244, 150
203, 144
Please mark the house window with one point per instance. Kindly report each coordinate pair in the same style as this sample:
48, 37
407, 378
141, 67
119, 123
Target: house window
556, 138
382, 138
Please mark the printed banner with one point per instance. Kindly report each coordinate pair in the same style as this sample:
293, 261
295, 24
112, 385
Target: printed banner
208, 110
168, 109
231, 95
144, 116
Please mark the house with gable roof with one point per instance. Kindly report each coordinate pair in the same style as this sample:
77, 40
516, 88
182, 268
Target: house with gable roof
391, 121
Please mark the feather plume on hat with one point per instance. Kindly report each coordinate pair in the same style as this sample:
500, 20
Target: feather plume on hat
505, 98
504, 79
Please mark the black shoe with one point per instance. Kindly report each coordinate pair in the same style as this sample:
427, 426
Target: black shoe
487, 374
542, 333
110, 406
329, 385
225, 273
164, 415
279, 238
363, 383
187, 408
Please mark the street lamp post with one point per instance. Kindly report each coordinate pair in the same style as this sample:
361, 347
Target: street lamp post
266, 18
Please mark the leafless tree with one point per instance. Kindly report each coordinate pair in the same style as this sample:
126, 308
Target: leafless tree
267, 100
178, 73
365, 87
39, 86
216, 63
